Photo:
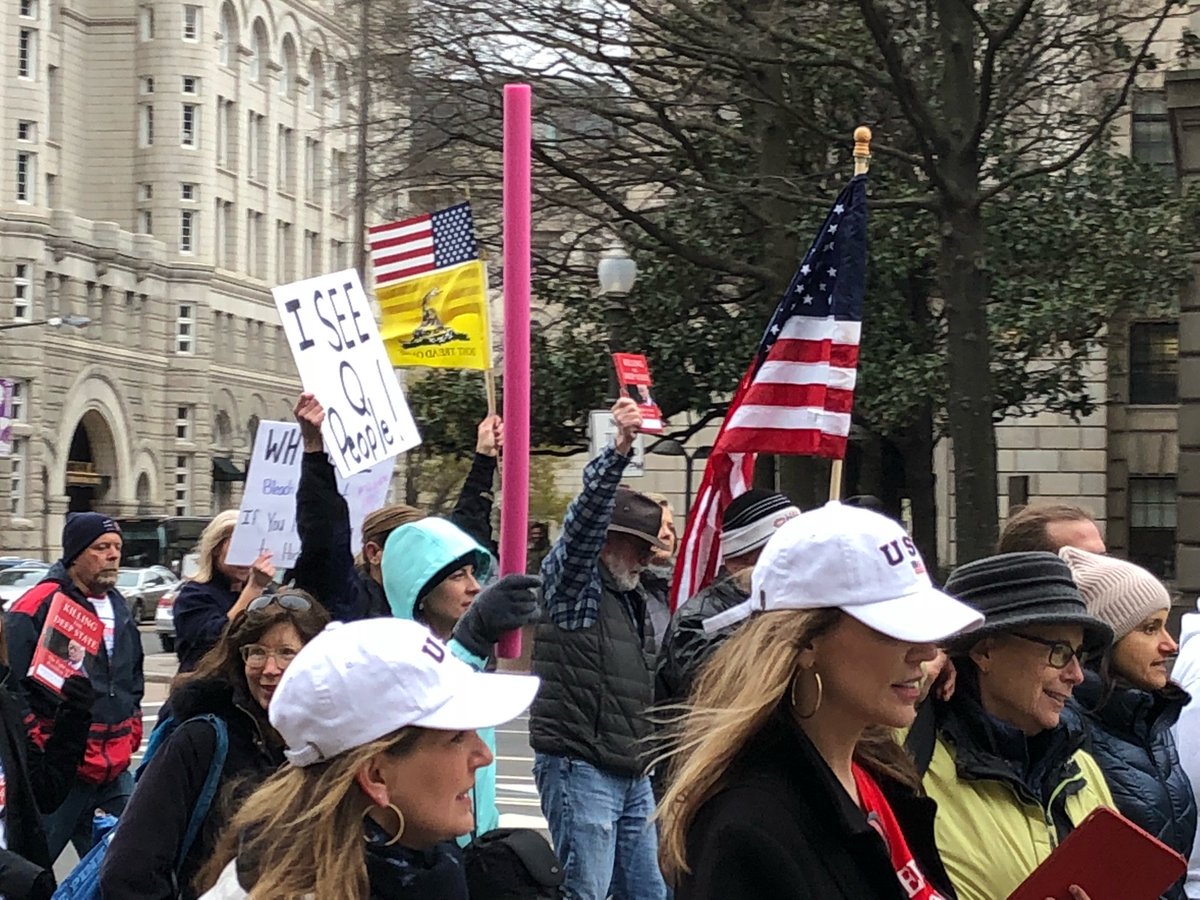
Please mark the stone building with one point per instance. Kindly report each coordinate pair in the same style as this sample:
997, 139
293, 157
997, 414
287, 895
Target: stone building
162, 164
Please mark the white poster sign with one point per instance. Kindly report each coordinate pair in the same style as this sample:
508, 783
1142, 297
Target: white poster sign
267, 519
602, 430
342, 361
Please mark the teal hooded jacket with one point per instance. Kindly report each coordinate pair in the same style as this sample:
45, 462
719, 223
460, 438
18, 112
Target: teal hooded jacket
423, 553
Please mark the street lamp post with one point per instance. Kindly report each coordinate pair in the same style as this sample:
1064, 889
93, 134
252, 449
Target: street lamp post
672, 447
616, 273
68, 321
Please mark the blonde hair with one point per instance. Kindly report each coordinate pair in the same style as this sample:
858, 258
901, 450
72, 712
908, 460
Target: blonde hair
301, 831
214, 534
744, 683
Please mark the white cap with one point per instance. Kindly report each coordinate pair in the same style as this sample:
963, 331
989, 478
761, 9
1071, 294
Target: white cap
860, 562
356, 682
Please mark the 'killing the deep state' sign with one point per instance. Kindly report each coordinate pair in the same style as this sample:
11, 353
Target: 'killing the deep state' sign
267, 518
342, 361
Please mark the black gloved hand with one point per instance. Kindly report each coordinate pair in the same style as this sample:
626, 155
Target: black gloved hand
78, 694
505, 606
43, 887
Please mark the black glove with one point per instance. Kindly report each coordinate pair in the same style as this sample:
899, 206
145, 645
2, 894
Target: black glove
78, 695
505, 606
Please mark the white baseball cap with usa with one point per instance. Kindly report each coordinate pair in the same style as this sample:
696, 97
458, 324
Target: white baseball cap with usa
860, 562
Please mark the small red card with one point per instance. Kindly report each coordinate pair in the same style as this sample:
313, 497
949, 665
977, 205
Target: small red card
633, 375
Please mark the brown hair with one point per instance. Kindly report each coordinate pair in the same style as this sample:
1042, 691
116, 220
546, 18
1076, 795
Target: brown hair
224, 661
378, 525
1025, 529
748, 680
301, 832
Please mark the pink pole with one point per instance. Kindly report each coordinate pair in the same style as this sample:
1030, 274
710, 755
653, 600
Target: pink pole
518, 209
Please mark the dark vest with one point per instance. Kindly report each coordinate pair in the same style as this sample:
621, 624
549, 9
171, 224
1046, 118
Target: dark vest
597, 685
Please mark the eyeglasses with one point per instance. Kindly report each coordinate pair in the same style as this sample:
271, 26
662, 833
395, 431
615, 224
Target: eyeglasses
1061, 653
287, 601
255, 656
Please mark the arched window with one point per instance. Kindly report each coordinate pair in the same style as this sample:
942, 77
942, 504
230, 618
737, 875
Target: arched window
227, 43
340, 87
287, 75
316, 82
258, 51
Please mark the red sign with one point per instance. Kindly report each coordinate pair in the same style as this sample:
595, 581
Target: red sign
633, 375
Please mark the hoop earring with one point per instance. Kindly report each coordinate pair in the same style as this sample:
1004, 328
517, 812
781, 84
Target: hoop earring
399, 816
816, 706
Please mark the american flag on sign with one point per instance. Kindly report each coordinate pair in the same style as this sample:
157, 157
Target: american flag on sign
423, 244
797, 394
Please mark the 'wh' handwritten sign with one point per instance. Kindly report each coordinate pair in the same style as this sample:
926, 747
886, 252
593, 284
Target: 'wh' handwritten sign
336, 344
267, 518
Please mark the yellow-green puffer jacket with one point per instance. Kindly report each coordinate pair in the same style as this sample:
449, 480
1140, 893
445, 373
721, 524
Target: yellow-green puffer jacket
991, 834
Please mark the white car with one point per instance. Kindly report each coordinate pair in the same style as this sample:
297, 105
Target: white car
16, 581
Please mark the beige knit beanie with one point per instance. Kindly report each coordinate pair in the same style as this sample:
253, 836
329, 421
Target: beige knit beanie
1117, 592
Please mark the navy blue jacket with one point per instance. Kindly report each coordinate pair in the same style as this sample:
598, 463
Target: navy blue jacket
325, 567
1130, 737
201, 614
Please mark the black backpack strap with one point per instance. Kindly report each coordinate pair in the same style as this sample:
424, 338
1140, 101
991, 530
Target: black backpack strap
922, 737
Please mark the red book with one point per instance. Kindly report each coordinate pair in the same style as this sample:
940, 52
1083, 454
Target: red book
69, 643
633, 375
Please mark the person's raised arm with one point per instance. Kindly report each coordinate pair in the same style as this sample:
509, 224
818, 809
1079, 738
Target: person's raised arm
473, 511
570, 565
325, 565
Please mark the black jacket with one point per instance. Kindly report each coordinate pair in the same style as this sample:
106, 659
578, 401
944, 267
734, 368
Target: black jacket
116, 729
140, 861
201, 613
685, 646
325, 567
35, 780
1130, 737
782, 827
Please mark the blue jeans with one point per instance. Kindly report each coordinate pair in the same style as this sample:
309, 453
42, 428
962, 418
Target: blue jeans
601, 827
73, 820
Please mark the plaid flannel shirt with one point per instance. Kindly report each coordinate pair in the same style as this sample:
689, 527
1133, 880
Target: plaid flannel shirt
571, 586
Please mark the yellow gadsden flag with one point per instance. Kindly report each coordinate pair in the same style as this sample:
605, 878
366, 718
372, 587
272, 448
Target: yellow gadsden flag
432, 291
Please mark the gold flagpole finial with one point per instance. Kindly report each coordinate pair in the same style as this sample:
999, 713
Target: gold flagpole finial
862, 149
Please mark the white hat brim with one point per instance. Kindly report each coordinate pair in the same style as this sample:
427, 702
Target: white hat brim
483, 700
925, 616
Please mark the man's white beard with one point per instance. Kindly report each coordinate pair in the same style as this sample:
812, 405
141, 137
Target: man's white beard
626, 576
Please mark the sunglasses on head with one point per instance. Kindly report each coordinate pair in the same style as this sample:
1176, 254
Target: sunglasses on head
287, 601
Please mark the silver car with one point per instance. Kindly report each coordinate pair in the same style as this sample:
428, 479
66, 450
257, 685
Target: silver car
16, 580
143, 588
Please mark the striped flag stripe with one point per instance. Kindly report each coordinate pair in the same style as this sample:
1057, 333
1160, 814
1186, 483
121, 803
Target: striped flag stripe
773, 372
800, 396
400, 229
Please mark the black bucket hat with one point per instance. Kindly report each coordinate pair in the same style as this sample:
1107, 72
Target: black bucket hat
635, 513
1016, 590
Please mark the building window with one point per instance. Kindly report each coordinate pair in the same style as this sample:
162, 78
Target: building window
337, 255
287, 72
1152, 517
187, 231
255, 255
16, 478
182, 484
256, 145
312, 254
146, 23
191, 23
225, 130
224, 225
185, 325
20, 391
26, 52
145, 222
1154, 362
22, 291
283, 251
145, 192
287, 153
312, 167
26, 130
228, 41
1151, 137
258, 51
191, 84
26, 177
191, 118
187, 191
28, 9
146, 85
183, 423
338, 176
146, 128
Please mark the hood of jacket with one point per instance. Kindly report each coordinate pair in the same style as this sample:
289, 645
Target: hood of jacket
1129, 711
418, 552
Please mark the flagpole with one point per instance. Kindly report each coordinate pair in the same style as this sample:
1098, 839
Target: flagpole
862, 162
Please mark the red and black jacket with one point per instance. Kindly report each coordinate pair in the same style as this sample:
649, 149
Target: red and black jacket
116, 731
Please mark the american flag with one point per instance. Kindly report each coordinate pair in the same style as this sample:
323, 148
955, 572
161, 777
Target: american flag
797, 394
423, 244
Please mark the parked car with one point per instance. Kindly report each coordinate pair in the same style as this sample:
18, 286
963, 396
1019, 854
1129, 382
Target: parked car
143, 588
164, 616
16, 580
8, 562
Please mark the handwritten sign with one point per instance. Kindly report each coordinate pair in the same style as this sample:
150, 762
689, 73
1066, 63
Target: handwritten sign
342, 361
267, 518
